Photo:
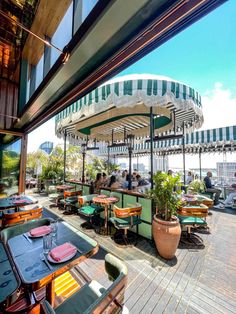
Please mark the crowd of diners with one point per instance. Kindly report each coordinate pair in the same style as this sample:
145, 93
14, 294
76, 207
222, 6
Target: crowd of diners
118, 179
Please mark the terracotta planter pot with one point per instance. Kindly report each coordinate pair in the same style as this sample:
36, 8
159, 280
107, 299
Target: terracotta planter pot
166, 235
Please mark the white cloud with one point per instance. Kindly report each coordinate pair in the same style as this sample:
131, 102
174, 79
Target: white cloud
219, 107
45, 132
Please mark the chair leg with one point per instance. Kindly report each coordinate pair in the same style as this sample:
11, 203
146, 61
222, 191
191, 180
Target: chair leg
189, 238
125, 238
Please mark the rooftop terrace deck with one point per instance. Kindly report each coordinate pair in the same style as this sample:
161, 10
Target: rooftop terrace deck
197, 281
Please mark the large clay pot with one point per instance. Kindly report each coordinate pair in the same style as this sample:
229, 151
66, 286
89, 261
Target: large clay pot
166, 235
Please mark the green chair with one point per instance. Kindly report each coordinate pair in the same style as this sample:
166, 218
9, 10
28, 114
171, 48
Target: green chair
69, 199
93, 297
193, 217
125, 219
86, 208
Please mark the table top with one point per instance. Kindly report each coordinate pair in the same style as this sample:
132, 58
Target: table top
33, 270
64, 187
8, 281
106, 200
11, 202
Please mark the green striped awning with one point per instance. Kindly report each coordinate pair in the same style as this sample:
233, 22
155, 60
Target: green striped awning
207, 140
131, 96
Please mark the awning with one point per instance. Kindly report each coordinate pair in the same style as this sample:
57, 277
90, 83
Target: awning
213, 140
123, 105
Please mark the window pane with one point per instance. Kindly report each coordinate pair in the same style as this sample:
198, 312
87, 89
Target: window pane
9, 166
63, 34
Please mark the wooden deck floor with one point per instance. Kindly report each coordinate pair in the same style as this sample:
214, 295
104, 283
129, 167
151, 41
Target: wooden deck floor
196, 281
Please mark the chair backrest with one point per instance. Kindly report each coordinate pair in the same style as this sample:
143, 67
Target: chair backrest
114, 295
72, 193
21, 216
13, 231
127, 211
109, 301
200, 212
86, 198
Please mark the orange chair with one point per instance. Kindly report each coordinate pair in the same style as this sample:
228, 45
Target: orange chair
70, 198
125, 219
21, 217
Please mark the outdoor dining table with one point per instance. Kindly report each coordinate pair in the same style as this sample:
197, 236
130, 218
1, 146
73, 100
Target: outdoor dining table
35, 272
16, 202
64, 187
9, 281
105, 201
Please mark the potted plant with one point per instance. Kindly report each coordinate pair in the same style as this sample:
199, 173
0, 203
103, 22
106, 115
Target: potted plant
165, 226
196, 186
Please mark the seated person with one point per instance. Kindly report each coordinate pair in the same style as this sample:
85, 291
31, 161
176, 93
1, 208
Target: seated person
210, 188
98, 184
114, 184
122, 177
104, 179
141, 182
189, 177
228, 202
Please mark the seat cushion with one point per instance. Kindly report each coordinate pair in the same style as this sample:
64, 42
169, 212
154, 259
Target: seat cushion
186, 220
69, 200
124, 222
90, 210
80, 301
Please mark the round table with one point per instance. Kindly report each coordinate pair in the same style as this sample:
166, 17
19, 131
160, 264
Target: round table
105, 201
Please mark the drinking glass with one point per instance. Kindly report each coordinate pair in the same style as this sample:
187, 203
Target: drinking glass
47, 243
54, 226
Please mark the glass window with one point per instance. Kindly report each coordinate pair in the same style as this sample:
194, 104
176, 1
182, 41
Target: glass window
10, 153
63, 34
39, 72
87, 7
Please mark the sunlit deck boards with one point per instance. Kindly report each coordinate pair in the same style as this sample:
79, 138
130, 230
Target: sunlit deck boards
198, 281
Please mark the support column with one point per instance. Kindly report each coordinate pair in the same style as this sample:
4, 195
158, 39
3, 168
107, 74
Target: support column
200, 162
64, 169
23, 84
23, 159
130, 169
83, 164
151, 145
184, 170
108, 159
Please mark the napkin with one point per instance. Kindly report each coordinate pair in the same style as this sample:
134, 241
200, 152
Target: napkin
40, 231
20, 202
102, 196
112, 199
62, 251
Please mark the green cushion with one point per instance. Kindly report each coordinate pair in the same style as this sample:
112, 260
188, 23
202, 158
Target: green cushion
69, 200
191, 220
124, 222
90, 210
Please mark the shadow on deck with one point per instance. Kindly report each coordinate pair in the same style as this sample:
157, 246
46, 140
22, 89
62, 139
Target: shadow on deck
197, 280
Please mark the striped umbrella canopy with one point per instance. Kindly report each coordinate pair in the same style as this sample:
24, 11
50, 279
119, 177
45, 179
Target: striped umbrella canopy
122, 106
212, 140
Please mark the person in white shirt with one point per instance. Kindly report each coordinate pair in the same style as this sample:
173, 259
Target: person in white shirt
189, 177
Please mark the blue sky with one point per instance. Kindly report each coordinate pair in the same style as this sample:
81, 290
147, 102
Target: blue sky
200, 55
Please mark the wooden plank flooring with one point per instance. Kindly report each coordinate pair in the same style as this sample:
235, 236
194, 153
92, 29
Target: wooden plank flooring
196, 281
